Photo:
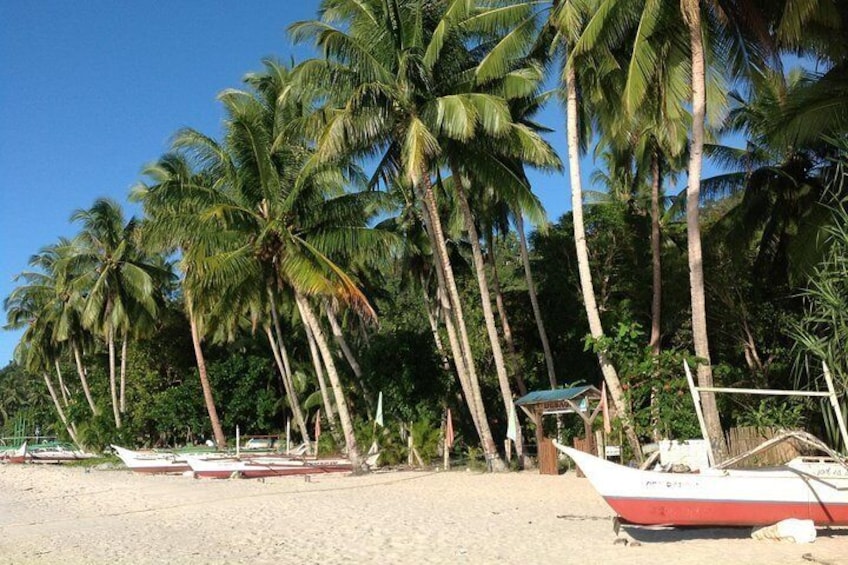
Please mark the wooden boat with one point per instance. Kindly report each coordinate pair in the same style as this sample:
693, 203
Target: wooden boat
151, 461
814, 488
260, 467
14, 454
54, 452
156, 462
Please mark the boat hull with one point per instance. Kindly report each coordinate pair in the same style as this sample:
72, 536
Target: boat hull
256, 469
804, 490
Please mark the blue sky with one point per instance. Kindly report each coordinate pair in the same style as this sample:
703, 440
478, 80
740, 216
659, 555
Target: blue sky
91, 91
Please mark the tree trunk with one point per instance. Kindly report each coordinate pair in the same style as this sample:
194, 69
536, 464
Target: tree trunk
692, 15
429, 200
338, 335
453, 339
534, 299
338, 392
124, 373
512, 355
319, 371
84, 378
656, 258
288, 385
595, 327
282, 358
485, 299
217, 431
59, 410
62, 387
433, 318
656, 300
112, 378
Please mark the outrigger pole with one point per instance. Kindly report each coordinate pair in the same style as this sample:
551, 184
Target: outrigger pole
696, 398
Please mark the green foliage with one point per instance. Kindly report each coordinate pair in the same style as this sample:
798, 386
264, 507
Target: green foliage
772, 413
655, 386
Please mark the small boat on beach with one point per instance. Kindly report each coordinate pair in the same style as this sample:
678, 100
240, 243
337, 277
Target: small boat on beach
14, 454
814, 488
55, 452
281, 466
151, 461
162, 462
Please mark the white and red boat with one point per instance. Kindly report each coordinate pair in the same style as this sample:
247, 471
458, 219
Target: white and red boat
151, 461
281, 466
14, 454
814, 488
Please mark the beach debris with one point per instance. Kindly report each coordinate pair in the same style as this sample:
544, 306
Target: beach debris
791, 529
811, 558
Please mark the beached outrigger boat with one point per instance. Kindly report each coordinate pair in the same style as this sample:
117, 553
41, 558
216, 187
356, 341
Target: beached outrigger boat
260, 467
55, 452
156, 462
151, 462
14, 454
814, 488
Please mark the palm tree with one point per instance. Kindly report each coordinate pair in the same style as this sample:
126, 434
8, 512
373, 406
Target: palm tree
117, 278
172, 223
404, 86
280, 228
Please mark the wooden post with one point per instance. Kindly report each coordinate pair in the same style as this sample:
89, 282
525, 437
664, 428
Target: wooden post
835, 403
447, 458
696, 398
409, 448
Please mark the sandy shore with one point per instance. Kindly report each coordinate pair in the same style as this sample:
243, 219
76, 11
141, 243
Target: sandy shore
67, 515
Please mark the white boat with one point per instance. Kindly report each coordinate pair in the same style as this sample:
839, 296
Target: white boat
814, 488
151, 461
55, 453
14, 454
259, 467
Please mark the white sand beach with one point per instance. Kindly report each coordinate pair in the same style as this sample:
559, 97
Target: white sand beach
67, 515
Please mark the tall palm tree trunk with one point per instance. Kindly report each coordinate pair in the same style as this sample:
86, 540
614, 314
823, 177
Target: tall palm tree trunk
534, 299
656, 299
282, 358
124, 343
338, 335
62, 387
59, 409
110, 338
429, 200
319, 371
83, 378
595, 327
288, 386
485, 299
338, 392
433, 319
500, 306
692, 16
453, 337
656, 258
217, 430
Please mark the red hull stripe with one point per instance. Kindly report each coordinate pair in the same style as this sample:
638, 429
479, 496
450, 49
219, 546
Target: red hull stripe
162, 469
652, 511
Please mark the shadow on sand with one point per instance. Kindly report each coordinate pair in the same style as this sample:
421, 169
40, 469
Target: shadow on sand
665, 534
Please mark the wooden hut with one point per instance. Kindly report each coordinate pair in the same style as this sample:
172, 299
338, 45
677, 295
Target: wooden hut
585, 401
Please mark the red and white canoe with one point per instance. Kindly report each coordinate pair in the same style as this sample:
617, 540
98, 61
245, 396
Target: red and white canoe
812, 488
260, 467
151, 461
15, 454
